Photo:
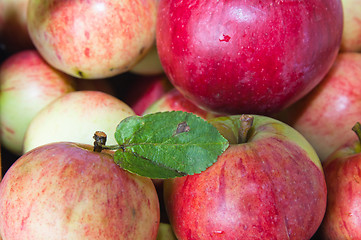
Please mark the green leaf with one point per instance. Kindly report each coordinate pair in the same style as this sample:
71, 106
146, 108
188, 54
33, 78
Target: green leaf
167, 144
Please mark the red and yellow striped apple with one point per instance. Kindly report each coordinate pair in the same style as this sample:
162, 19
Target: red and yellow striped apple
269, 184
342, 171
326, 114
92, 39
27, 85
68, 191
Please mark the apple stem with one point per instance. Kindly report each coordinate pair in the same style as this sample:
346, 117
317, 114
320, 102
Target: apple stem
357, 129
100, 140
245, 127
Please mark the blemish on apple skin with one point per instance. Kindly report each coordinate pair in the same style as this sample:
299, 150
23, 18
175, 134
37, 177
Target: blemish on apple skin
224, 38
80, 74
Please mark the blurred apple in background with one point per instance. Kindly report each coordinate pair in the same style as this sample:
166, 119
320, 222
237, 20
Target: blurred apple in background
351, 38
269, 184
92, 39
235, 57
141, 91
27, 85
67, 191
325, 115
342, 170
150, 64
102, 85
75, 117
173, 100
14, 35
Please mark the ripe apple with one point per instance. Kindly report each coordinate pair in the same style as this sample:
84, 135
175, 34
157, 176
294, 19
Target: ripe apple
236, 57
342, 171
351, 38
150, 64
92, 39
67, 191
75, 117
142, 91
269, 184
14, 34
27, 85
173, 100
326, 114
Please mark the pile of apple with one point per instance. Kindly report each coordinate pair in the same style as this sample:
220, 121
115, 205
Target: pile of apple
71, 68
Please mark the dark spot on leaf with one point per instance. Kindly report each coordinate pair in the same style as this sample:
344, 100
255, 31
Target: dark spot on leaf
182, 127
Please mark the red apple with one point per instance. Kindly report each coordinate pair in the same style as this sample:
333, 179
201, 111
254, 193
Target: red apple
14, 34
92, 39
75, 117
351, 38
27, 85
237, 56
67, 191
342, 171
270, 186
142, 91
325, 115
173, 100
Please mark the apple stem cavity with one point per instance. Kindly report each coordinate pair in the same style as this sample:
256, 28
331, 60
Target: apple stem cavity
357, 129
245, 127
100, 140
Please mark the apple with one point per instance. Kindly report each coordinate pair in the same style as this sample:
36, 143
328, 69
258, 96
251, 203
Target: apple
27, 85
234, 57
326, 114
67, 191
14, 34
141, 91
342, 171
75, 117
351, 38
165, 232
269, 184
150, 64
92, 39
173, 100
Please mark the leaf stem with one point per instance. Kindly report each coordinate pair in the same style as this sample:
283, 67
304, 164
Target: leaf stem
100, 140
357, 129
245, 127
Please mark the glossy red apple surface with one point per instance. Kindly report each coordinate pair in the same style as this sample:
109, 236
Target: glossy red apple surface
247, 56
68, 191
326, 115
270, 187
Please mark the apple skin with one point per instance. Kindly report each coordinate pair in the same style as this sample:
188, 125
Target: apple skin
271, 187
234, 57
92, 39
14, 34
75, 117
78, 194
334, 104
149, 64
343, 215
173, 100
351, 38
27, 85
